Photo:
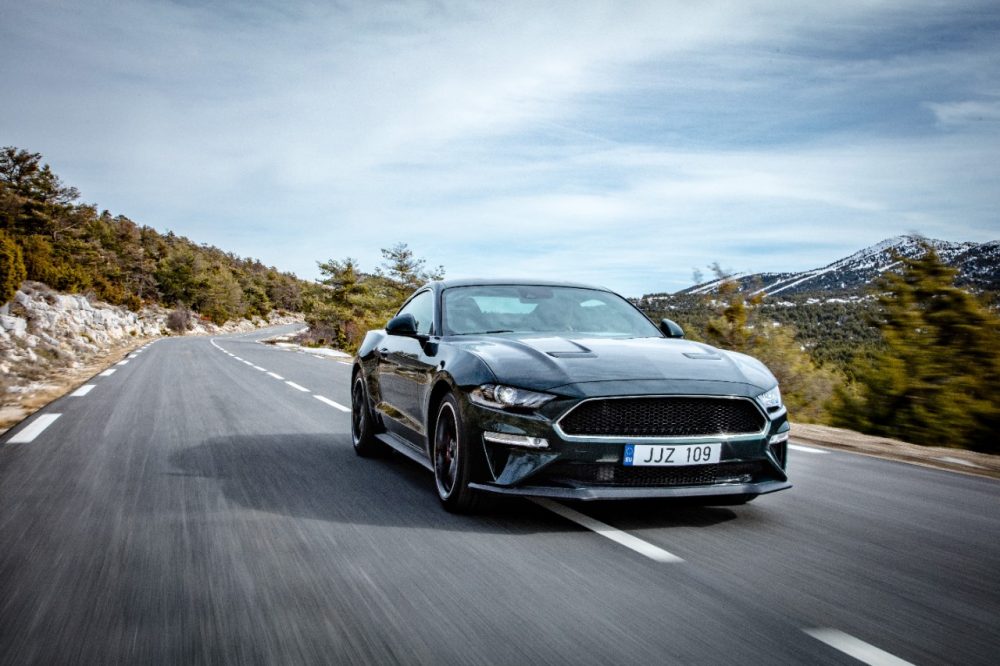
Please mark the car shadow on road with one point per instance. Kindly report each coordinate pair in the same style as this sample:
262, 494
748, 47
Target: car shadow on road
318, 476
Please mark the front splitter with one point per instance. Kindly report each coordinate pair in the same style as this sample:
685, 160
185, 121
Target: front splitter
617, 493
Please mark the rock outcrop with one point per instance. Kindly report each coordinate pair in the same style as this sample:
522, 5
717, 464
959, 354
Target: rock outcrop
43, 331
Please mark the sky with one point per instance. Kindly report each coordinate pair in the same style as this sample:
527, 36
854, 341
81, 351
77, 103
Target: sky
625, 144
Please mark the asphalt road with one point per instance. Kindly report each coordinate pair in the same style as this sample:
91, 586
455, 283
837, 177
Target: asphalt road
192, 508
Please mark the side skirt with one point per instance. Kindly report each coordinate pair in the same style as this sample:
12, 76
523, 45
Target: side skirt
410, 452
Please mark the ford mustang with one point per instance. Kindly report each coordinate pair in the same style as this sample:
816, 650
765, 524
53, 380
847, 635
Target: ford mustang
561, 390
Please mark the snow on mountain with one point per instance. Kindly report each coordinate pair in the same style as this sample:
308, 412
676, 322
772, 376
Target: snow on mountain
978, 264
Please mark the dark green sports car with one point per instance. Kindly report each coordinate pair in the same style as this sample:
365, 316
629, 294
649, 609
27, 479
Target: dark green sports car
567, 391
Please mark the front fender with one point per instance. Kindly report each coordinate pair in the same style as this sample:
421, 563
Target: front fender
458, 371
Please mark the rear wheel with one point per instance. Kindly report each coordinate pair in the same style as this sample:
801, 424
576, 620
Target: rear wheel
362, 430
452, 459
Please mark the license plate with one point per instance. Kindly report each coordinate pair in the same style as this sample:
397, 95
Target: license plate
652, 455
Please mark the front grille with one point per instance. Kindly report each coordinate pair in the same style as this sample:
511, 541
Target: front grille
663, 417
617, 475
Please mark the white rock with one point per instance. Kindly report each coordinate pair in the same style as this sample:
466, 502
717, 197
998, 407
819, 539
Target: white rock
15, 325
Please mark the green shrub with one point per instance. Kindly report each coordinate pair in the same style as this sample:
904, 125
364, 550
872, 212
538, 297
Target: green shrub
12, 270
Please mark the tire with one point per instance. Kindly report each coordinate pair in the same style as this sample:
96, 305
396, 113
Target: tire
362, 423
451, 457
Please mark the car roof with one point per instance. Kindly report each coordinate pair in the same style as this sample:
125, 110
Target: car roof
486, 282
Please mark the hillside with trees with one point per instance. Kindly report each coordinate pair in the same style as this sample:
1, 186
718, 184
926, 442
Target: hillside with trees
48, 235
916, 357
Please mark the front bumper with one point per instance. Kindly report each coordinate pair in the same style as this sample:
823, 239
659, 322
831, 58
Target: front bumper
582, 469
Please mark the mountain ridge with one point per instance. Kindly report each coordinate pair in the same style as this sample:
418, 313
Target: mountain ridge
978, 266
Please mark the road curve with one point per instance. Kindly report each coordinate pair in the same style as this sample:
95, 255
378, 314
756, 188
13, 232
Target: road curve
202, 504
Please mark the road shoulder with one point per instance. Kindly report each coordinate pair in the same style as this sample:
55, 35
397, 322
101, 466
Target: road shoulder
939, 457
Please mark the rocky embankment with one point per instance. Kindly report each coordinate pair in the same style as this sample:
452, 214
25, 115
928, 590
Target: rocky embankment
48, 339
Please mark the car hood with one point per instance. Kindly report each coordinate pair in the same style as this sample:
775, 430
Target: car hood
550, 363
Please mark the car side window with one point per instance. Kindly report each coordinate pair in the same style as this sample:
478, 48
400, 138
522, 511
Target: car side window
422, 309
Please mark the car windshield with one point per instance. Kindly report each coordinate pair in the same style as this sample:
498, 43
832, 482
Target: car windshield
542, 309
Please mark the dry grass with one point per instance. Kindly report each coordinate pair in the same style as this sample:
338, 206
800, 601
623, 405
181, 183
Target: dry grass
56, 382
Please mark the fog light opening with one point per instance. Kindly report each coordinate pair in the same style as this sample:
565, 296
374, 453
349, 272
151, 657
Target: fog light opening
516, 440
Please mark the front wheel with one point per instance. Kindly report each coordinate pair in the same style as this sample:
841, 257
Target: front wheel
452, 458
362, 430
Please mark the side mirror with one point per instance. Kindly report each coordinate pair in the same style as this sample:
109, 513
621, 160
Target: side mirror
403, 324
671, 329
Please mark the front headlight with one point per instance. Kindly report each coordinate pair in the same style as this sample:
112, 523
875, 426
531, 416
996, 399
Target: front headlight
499, 396
770, 399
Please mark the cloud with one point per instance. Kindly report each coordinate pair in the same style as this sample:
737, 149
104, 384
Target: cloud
964, 113
622, 143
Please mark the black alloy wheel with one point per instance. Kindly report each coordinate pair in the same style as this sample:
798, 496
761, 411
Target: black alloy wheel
451, 457
362, 432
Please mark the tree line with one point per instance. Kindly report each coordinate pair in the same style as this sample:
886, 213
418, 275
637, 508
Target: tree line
918, 360
48, 235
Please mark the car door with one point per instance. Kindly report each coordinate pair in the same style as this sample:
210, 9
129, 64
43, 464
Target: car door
405, 371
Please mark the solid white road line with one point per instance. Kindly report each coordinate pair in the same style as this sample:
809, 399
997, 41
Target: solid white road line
851, 646
237, 358
335, 405
122, 363
605, 530
83, 390
107, 373
297, 387
34, 429
805, 449
257, 367
276, 376
248, 363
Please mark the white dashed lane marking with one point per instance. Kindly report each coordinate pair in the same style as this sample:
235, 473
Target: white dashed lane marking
107, 373
83, 390
297, 387
335, 405
34, 429
854, 647
122, 363
605, 530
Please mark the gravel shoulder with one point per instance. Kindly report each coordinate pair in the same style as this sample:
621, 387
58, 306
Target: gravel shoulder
15, 407
940, 457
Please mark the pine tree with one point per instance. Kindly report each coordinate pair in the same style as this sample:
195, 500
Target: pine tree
352, 302
936, 377
806, 386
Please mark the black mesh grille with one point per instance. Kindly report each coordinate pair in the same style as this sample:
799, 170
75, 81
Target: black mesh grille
617, 475
663, 417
